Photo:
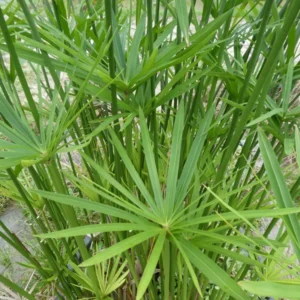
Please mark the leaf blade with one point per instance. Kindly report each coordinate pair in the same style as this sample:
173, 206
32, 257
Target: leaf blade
271, 289
212, 271
151, 265
193, 156
183, 19
120, 247
95, 228
279, 187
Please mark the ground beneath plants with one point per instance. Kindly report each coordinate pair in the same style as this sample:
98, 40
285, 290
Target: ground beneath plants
14, 219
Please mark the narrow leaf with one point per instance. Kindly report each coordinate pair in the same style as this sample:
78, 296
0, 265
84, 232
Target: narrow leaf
88, 205
16, 288
297, 142
188, 264
151, 265
272, 289
212, 271
183, 19
265, 116
133, 173
174, 159
96, 228
153, 174
287, 87
193, 156
247, 214
120, 247
279, 186
133, 54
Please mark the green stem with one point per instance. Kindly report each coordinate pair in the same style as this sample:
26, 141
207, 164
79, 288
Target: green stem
263, 80
112, 69
72, 219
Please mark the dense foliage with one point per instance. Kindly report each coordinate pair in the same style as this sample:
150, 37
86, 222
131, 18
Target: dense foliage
166, 131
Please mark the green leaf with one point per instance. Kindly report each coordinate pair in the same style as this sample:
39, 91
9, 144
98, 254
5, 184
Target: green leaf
188, 264
97, 228
265, 116
82, 277
237, 240
17, 120
16, 288
279, 187
173, 90
11, 49
166, 31
128, 121
89, 205
183, 19
295, 112
91, 189
247, 214
272, 289
297, 142
212, 271
174, 159
105, 175
106, 122
233, 254
153, 174
151, 265
148, 66
288, 146
118, 47
193, 156
133, 173
234, 104
72, 148
120, 247
65, 64
133, 65
287, 86
18, 138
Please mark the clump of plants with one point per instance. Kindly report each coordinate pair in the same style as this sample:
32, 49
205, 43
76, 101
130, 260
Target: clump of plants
153, 141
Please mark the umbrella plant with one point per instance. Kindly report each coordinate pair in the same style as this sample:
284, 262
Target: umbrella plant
165, 132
